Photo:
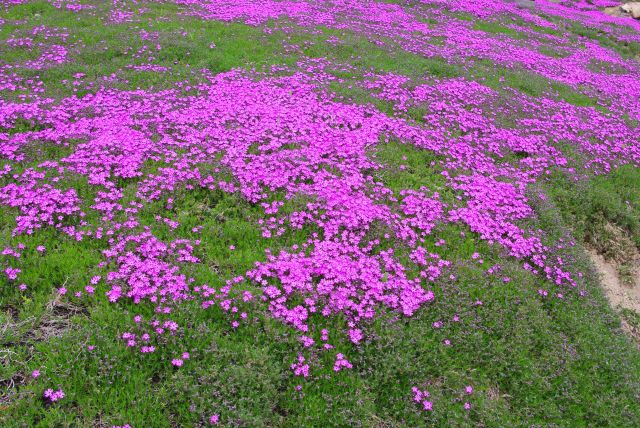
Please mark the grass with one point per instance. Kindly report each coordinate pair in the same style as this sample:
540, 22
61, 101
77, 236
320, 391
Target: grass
532, 361
495, 28
612, 199
625, 49
605, 213
406, 167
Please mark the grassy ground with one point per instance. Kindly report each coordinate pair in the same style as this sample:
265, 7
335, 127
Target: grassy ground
532, 361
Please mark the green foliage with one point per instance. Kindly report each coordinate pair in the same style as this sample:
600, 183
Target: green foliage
532, 361
604, 200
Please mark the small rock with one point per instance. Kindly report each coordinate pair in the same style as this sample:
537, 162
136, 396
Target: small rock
632, 8
615, 11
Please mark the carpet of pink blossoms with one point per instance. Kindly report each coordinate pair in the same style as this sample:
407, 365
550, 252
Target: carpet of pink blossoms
283, 132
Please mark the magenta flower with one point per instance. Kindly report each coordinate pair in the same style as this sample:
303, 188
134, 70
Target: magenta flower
341, 363
281, 134
52, 396
12, 273
300, 368
355, 335
420, 396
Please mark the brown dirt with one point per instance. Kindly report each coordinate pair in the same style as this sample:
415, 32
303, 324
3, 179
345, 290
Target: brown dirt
619, 294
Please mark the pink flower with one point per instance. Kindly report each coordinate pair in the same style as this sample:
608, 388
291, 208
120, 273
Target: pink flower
177, 362
53, 396
355, 335
341, 363
12, 273
421, 397
306, 341
35, 374
214, 419
342, 271
300, 368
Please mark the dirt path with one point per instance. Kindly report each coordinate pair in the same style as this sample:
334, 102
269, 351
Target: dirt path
619, 295
617, 292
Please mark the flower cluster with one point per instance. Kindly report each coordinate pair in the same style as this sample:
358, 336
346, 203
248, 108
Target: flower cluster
310, 160
52, 396
422, 397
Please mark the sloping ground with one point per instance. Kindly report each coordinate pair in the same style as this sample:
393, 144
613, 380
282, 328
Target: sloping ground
619, 295
317, 213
